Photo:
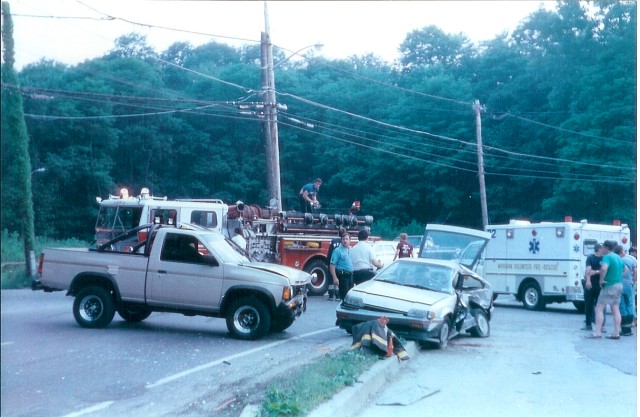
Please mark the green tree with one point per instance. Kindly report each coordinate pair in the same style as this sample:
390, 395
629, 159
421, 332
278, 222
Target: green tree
16, 175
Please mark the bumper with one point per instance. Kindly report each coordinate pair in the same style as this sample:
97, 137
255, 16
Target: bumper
296, 306
407, 327
574, 293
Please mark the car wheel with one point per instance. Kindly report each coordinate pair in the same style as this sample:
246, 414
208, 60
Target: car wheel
133, 313
482, 327
579, 305
93, 308
443, 334
532, 297
248, 319
319, 277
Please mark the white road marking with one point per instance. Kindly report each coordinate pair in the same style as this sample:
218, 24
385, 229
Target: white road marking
88, 410
182, 374
6, 343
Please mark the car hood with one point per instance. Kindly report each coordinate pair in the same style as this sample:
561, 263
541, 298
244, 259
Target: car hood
397, 297
295, 276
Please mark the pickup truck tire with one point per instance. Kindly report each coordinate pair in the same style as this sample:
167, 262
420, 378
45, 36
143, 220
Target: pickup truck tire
248, 319
133, 313
93, 307
319, 277
281, 324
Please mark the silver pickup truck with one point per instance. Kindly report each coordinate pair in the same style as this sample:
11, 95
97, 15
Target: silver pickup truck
182, 270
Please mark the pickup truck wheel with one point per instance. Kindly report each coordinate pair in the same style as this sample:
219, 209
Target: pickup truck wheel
319, 277
133, 313
93, 308
281, 324
248, 319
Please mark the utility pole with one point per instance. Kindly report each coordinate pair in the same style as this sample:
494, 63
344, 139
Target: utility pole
477, 108
270, 123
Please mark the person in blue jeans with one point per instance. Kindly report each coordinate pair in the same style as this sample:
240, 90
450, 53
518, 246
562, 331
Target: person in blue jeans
627, 302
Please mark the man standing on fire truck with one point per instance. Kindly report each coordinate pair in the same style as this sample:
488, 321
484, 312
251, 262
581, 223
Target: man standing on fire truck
309, 196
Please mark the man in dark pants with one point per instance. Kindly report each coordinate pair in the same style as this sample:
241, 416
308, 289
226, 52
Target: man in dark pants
592, 285
341, 267
335, 243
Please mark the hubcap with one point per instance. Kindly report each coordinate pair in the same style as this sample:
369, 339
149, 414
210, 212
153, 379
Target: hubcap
246, 319
91, 308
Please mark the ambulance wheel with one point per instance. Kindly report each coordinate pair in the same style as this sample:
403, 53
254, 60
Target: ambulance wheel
532, 296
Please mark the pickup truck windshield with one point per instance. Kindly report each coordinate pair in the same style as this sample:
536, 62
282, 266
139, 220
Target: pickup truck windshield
226, 250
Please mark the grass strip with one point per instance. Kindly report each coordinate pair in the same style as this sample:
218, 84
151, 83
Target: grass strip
323, 378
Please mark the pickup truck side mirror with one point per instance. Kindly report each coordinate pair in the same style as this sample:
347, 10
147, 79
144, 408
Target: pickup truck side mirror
210, 260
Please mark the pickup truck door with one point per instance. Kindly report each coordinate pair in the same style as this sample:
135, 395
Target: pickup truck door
178, 276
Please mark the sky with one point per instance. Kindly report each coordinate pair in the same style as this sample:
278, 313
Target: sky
344, 28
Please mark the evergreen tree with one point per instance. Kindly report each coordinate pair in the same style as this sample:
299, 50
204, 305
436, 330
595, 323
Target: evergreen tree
16, 165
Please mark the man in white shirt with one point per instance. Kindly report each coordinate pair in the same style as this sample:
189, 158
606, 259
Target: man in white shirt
238, 239
363, 259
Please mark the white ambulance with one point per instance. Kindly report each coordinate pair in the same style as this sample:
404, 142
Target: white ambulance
543, 263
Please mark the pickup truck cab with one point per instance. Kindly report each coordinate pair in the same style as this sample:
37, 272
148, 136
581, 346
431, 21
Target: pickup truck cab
184, 270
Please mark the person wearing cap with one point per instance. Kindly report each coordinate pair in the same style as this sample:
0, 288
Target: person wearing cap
591, 284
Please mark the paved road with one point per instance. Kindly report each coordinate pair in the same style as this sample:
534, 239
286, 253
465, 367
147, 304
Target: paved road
167, 365
534, 364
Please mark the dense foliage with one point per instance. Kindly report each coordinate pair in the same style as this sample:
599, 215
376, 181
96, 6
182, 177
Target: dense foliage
559, 126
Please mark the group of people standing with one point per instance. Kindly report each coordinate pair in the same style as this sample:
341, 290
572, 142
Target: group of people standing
609, 279
351, 266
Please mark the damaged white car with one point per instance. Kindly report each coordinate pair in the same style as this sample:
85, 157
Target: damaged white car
430, 299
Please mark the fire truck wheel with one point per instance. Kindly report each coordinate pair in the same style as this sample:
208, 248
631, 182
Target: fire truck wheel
248, 318
319, 277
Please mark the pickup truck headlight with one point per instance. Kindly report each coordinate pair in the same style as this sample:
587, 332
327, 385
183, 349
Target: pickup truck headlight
420, 314
286, 293
353, 301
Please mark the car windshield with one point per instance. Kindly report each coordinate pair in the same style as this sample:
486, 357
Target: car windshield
465, 249
418, 275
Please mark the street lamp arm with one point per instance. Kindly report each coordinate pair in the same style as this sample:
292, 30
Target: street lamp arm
317, 46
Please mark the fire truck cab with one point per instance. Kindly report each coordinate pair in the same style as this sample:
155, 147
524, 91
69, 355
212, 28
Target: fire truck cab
120, 213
